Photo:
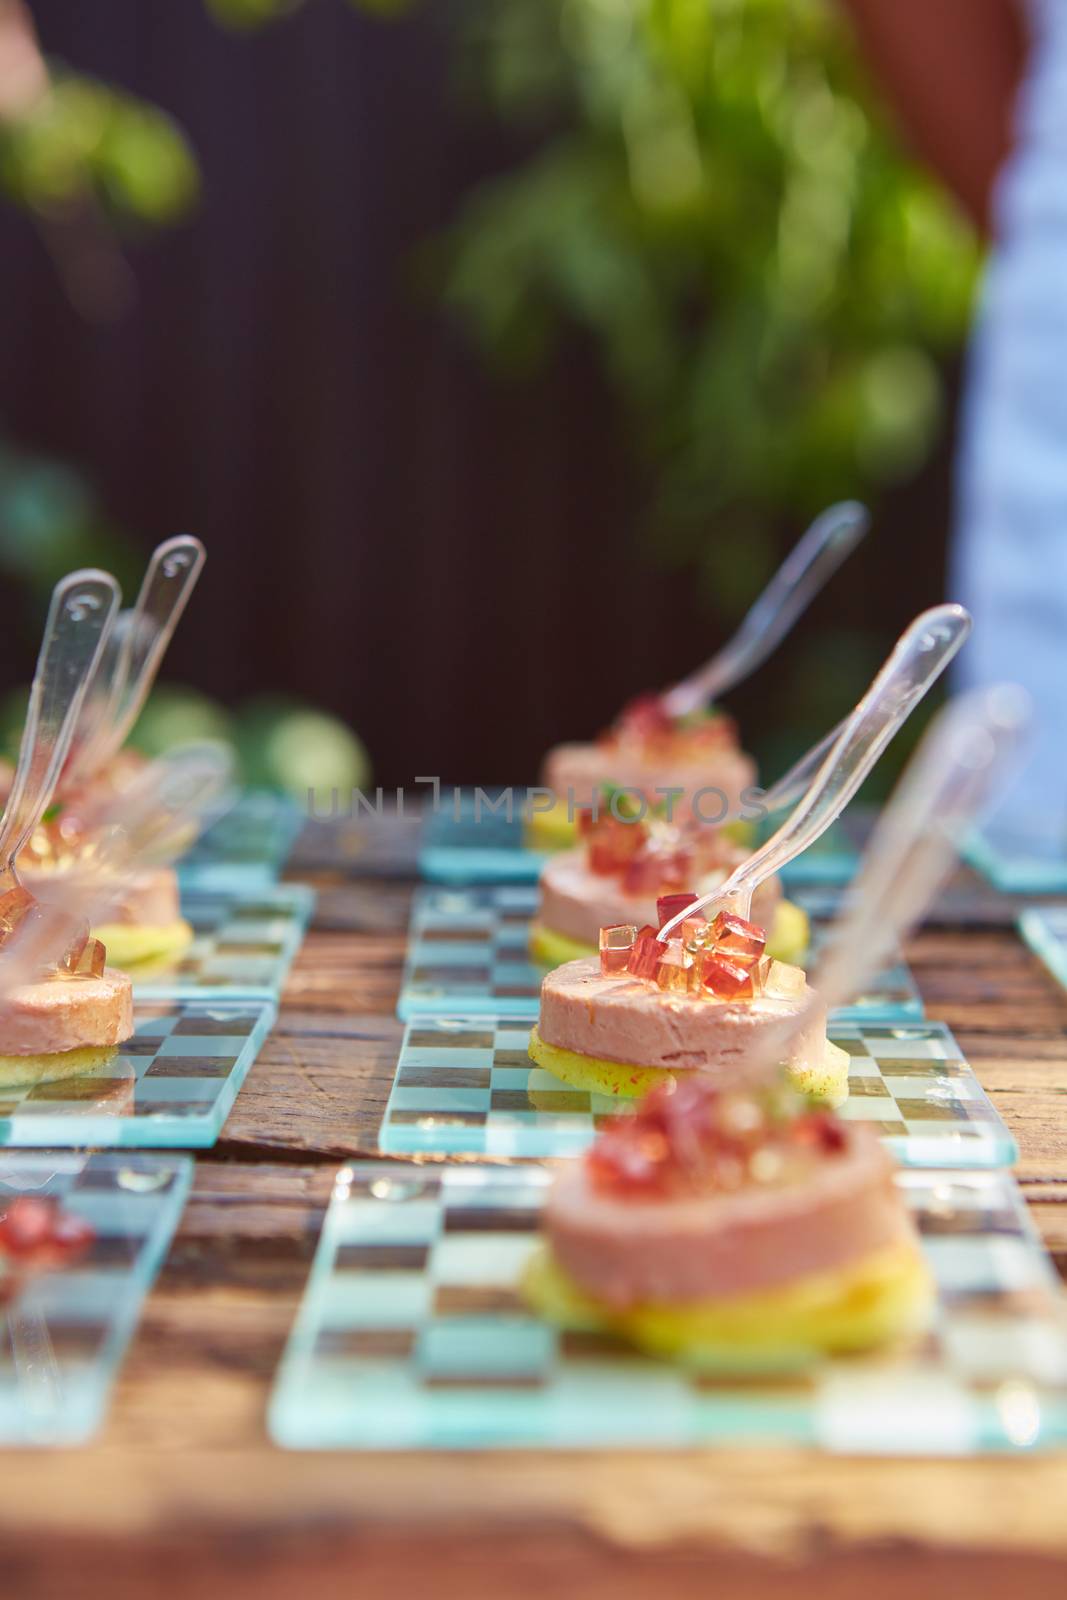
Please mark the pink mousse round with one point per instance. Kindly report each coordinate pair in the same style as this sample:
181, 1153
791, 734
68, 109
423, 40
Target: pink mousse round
577, 902
630, 1252
579, 771
630, 1021
39, 1019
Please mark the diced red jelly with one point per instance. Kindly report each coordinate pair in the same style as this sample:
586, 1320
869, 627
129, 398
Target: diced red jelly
79, 939
90, 962
646, 953
26, 1225
642, 875
725, 979
34, 1231
616, 943
692, 1137
672, 973
670, 1143
612, 844
669, 905
740, 941
822, 1129
14, 904
602, 859
645, 717
624, 1162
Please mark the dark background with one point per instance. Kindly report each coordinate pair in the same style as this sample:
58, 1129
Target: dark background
450, 562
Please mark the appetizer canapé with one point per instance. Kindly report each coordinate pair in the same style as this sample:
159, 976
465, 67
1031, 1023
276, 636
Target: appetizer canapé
625, 864
67, 1021
734, 1230
649, 752
710, 1002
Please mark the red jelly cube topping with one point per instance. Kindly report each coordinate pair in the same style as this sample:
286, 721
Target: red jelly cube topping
643, 875
33, 1228
683, 1137
723, 978
613, 844
740, 941
616, 943
672, 973
821, 1129
602, 859
646, 953
645, 717
692, 1137
669, 905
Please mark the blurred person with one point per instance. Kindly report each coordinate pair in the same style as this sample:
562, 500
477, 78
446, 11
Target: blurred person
981, 89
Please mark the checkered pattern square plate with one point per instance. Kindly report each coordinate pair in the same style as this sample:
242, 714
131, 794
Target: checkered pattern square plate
64, 1338
1045, 931
248, 847
466, 1085
243, 944
464, 843
1019, 870
172, 1084
413, 1334
468, 953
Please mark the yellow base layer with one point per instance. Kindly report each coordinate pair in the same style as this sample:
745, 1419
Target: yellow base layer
130, 945
827, 1083
788, 940
880, 1300
550, 830
19, 1072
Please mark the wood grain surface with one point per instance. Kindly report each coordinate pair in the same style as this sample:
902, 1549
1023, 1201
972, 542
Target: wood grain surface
184, 1494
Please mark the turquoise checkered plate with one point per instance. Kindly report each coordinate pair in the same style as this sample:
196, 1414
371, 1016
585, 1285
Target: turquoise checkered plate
172, 1084
467, 954
413, 1334
1045, 930
1018, 870
64, 1338
248, 847
243, 945
466, 1086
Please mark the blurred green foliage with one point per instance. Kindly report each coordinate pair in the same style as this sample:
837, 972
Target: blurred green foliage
50, 523
713, 197
254, 13
84, 139
279, 743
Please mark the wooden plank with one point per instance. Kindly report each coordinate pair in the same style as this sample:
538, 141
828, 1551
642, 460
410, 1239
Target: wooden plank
184, 1490
184, 1487
321, 1083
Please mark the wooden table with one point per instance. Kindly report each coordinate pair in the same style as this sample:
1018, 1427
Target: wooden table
183, 1494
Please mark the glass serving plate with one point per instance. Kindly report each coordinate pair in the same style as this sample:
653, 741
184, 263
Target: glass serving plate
247, 847
1020, 866
467, 953
243, 945
413, 1335
465, 1085
1045, 930
172, 1084
64, 1338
